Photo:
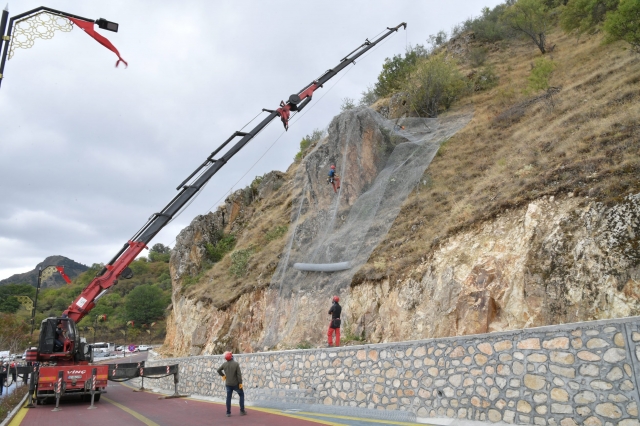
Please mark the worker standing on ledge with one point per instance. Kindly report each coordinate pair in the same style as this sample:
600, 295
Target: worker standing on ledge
334, 325
334, 179
230, 372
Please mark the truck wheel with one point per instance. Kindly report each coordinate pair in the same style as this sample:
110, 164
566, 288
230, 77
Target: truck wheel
96, 397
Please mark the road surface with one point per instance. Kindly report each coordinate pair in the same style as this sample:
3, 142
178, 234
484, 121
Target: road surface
122, 406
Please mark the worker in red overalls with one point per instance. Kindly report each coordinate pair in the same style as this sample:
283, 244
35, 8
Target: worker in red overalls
334, 179
334, 325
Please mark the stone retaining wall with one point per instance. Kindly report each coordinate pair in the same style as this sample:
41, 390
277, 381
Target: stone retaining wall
574, 374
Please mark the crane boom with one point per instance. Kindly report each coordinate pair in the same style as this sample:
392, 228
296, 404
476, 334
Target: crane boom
118, 265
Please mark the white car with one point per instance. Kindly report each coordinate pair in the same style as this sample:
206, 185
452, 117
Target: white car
144, 348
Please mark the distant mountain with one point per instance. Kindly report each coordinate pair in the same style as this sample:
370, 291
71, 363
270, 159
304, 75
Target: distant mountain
71, 268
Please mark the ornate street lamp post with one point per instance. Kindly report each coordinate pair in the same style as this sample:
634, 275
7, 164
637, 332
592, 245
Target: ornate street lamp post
42, 22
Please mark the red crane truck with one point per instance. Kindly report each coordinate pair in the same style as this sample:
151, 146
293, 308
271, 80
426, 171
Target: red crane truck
60, 349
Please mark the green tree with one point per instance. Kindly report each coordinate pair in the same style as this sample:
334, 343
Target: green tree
490, 26
347, 104
397, 69
624, 23
14, 334
531, 18
8, 302
437, 40
434, 85
584, 15
87, 276
9, 305
139, 267
145, 303
369, 97
159, 253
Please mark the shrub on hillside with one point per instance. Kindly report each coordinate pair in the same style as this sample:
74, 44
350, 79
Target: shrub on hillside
485, 79
477, 56
624, 23
540, 74
434, 85
368, 97
276, 233
489, 26
306, 142
239, 262
437, 40
584, 15
223, 245
396, 70
347, 104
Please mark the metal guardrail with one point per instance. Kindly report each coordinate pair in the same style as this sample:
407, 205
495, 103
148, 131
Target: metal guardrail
127, 371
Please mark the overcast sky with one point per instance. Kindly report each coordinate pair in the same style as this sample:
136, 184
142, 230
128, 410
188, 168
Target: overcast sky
89, 151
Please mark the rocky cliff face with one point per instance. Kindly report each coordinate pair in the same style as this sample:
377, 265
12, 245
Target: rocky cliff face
552, 261
515, 224
556, 261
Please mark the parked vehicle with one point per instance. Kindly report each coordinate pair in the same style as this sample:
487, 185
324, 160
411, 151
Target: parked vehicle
144, 348
103, 347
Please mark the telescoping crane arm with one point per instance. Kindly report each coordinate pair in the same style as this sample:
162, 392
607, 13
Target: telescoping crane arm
118, 267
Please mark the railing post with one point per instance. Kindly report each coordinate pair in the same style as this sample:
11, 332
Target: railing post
176, 379
32, 385
59, 390
94, 374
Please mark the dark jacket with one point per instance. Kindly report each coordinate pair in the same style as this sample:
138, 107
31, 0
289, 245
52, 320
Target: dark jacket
231, 369
332, 173
335, 312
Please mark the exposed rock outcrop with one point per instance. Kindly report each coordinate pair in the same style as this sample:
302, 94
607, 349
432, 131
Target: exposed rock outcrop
557, 261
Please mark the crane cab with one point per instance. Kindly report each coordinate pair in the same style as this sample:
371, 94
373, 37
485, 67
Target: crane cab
59, 342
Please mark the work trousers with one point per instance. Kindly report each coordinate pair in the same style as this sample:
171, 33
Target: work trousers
240, 393
330, 335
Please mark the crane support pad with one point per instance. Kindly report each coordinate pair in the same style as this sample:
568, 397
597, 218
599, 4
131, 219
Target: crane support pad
322, 267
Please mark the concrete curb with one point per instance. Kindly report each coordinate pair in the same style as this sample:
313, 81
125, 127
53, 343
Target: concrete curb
15, 410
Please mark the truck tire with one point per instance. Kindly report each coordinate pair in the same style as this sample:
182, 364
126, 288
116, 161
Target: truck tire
96, 397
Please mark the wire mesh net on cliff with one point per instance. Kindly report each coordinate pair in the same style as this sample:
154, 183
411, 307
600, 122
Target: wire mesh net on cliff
349, 233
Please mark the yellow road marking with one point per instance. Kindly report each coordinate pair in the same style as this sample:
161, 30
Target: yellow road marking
362, 419
280, 413
266, 410
20, 416
135, 414
301, 415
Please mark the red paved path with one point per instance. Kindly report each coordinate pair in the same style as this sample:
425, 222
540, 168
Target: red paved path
182, 412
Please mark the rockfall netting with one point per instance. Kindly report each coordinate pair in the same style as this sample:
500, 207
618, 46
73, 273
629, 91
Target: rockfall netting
330, 230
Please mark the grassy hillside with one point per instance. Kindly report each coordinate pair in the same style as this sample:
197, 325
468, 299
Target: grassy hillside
582, 140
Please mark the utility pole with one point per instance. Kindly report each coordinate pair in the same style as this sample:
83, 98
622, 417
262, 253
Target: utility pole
35, 305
